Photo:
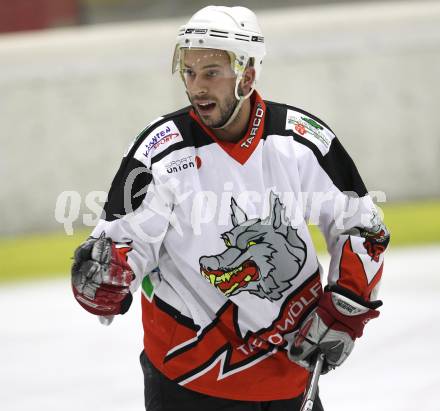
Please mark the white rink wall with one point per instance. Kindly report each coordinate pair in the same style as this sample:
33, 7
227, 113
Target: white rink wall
71, 100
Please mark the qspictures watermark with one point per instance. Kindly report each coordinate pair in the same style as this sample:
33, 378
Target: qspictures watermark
157, 208
68, 209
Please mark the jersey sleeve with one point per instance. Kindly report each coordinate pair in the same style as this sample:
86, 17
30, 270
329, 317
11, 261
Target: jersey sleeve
137, 212
340, 205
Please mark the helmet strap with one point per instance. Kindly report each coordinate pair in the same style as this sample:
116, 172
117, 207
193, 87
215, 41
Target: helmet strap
240, 101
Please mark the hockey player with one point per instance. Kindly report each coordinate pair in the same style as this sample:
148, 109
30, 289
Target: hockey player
208, 215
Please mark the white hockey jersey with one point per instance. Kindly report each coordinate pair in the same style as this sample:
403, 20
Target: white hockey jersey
216, 234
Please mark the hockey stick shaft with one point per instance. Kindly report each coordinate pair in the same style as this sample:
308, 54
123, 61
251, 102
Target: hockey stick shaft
312, 386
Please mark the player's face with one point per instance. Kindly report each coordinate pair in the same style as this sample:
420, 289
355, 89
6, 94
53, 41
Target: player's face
210, 83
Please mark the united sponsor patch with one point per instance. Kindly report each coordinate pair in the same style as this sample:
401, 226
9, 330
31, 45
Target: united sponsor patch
310, 129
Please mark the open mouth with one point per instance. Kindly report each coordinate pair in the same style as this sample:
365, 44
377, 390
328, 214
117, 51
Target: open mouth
228, 281
205, 107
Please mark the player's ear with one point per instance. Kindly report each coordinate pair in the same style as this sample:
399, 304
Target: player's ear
247, 80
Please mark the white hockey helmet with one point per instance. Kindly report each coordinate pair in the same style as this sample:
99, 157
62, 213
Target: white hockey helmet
233, 29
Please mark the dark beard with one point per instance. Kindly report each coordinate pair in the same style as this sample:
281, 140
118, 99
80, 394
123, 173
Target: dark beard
226, 110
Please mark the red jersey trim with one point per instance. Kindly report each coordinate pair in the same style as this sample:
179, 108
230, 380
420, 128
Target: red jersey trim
352, 273
220, 362
242, 149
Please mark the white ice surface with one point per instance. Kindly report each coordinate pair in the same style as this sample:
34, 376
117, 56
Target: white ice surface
55, 356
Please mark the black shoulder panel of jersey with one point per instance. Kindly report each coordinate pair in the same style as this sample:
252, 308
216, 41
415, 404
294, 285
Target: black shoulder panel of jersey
128, 189
336, 163
131, 182
132, 179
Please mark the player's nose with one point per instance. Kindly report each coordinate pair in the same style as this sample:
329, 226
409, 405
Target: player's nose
197, 87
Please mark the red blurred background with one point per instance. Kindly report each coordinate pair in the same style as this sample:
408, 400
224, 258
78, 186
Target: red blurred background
24, 15
18, 15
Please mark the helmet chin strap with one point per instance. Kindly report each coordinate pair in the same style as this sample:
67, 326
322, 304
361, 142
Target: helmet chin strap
239, 103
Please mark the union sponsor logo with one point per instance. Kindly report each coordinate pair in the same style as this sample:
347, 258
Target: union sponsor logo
181, 164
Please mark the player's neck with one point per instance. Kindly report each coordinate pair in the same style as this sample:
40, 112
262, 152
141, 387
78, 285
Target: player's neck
237, 129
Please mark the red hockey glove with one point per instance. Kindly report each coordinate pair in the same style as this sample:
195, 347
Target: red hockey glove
332, 328
101, 277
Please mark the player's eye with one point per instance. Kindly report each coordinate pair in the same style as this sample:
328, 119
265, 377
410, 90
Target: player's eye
187, 72
251, 243
212, 73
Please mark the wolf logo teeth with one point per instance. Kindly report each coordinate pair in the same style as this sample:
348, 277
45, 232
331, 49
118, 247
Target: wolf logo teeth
262, 256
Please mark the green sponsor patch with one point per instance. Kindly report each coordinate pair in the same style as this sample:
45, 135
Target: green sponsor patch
308, 128
313, 123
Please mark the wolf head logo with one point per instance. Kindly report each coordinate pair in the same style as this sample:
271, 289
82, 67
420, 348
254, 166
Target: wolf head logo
261, 256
